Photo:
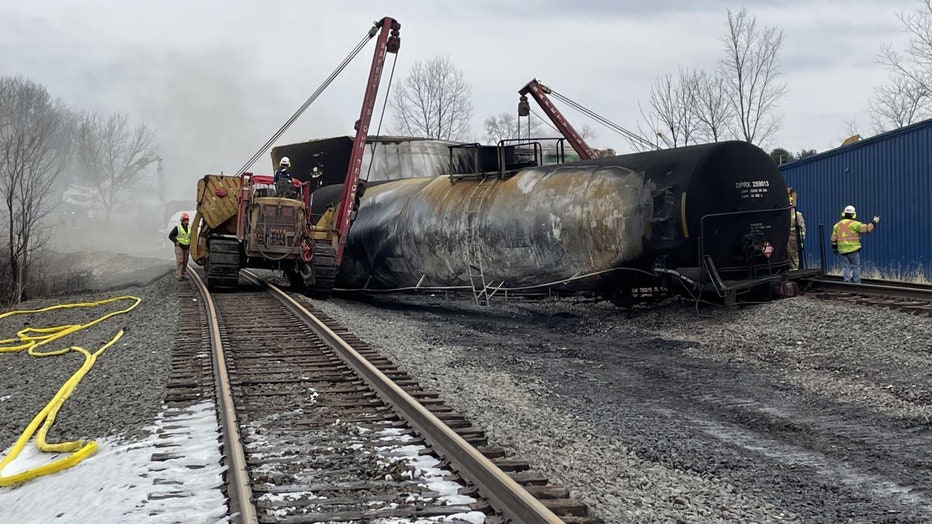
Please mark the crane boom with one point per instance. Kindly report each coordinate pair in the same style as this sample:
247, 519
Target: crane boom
389, 41
539, 92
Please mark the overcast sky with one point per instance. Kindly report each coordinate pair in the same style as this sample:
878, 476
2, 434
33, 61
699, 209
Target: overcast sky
217, 77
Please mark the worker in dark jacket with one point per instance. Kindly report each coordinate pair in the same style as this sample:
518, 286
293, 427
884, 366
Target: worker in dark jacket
181, 236
846, 241
284, 187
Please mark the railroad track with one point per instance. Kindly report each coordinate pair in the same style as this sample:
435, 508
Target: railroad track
319, 427
903, 296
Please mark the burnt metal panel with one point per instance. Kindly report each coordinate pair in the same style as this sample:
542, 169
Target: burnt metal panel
887, 175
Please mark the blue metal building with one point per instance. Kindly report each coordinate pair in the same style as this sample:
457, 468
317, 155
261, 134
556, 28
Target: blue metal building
888, 175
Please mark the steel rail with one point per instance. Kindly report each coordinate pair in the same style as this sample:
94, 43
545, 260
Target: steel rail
239, 487
885, 288
504, 494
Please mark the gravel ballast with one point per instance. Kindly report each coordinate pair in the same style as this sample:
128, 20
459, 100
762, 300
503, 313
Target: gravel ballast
770, 413
799, 410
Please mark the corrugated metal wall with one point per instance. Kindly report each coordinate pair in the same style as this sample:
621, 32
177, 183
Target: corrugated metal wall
888, 175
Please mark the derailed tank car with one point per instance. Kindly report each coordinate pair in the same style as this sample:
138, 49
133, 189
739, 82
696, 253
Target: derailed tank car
700, 218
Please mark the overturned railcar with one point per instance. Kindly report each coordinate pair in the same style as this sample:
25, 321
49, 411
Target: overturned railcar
702, 218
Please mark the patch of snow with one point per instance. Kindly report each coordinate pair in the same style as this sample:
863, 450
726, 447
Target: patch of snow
121, 482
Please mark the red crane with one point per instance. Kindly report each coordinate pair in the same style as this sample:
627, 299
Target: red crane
539, 92
239, 224
389, 41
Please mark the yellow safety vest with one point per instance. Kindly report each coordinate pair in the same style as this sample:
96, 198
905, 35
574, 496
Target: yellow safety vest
184, 235
847, 233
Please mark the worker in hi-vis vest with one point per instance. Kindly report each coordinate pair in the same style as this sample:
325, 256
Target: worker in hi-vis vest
181, 237
846, 241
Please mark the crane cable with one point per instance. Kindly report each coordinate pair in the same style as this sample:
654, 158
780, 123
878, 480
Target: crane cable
31, 339
611, 125
349, 58
544, 121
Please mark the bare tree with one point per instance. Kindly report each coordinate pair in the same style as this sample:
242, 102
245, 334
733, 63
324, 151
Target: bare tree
898, 103
434, 101
679, 100
670, 113
752, 70
711, 106
649, 135
34, 149
508, 126
851, 129
501, 127
587, 132
112, 155
907, 98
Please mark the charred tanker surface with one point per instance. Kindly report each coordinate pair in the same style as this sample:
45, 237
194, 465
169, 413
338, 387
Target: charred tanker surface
537, 226
620, 222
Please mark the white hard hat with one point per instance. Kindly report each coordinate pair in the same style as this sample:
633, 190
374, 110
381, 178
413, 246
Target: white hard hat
850, 210
285, 162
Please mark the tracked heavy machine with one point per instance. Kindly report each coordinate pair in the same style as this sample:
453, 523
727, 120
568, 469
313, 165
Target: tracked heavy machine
244, 221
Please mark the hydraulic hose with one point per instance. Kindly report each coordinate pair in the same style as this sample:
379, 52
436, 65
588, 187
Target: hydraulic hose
31, 339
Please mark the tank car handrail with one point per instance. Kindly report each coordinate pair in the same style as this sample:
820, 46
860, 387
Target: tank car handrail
733, 213
559, 146
714, 277
503, 167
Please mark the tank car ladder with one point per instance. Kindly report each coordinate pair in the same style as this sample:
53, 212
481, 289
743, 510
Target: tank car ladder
474, 265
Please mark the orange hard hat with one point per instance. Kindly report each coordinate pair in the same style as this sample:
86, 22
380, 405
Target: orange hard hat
184, 216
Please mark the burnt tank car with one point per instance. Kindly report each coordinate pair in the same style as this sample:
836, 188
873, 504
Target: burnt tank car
711, 216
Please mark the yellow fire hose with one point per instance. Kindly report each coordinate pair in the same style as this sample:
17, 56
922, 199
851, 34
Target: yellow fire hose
31, 339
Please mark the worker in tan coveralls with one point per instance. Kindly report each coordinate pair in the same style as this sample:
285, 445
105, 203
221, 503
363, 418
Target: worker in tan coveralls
181, 237
797, 225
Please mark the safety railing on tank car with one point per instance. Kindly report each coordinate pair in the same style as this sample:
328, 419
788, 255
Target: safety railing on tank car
482, 163
559, 151
705, 260
504, 166
475, 148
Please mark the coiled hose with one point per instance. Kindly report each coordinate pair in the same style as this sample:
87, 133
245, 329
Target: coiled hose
31, 339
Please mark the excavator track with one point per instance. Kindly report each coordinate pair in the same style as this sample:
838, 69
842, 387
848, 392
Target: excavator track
325, 271
223, 262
